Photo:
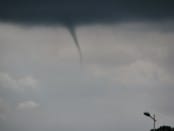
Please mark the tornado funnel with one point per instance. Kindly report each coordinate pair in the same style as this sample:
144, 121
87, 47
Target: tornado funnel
72, 31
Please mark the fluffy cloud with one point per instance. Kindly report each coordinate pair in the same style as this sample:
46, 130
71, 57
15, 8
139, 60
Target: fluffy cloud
28, 82
7, 81
27, 105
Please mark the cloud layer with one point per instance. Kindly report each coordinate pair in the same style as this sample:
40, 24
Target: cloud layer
84, 11
128, 69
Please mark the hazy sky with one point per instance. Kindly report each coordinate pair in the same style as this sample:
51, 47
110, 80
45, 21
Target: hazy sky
127, 67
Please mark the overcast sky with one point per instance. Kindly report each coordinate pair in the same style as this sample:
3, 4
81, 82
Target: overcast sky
127, 69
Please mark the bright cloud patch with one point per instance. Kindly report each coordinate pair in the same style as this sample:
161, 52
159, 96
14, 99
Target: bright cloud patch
28, 82
7, 81
27, 105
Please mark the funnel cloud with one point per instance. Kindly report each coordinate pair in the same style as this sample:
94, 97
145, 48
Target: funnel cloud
128, 52
72, 31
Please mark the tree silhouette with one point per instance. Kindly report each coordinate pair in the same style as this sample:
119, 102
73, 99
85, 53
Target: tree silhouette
164, 128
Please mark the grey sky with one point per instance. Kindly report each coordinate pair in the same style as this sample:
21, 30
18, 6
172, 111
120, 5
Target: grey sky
77, 12
127, 69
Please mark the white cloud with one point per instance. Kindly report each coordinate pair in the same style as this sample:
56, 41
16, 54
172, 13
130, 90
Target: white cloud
28, 82
27, 105
7, 81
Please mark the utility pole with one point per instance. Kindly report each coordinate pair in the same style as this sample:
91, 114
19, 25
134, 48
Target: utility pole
153, 118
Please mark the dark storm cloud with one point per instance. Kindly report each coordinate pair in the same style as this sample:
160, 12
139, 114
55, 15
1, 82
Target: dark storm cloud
71, 13
84, 11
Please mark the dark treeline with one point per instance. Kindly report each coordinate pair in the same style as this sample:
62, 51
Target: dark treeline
164, 128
